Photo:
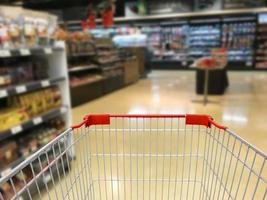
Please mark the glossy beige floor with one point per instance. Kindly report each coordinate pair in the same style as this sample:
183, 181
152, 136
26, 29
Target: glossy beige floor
243, 108
163, 160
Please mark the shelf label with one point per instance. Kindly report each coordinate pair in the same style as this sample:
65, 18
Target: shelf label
63, 110
21, 89
37, 120
3, 93
15, 130
248, 63
45, 83
5, 53
184, 63
5, 172
25, 52
47, 178
47, 50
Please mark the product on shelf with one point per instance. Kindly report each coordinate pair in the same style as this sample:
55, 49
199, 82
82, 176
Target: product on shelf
261, 53
15, 73
10, 152
40, 136
12, 116
22, 107
25, 28
77, 42
238, 35
4, 34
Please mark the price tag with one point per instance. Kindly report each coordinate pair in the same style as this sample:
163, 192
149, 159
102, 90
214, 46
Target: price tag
45, 83
5, 53
63, 110
21, 89
15, 130
25, 52
48, 50
3, 93
47, 178
37, 120
5, 172
184, 63
248, 63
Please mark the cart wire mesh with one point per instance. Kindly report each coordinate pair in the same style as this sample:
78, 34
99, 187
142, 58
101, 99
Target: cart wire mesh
142, 157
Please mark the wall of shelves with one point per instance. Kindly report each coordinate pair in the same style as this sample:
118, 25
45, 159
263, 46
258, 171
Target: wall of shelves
176, 38
94, 74
46, 106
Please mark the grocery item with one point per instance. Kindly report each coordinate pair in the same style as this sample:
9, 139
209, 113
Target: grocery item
4, 34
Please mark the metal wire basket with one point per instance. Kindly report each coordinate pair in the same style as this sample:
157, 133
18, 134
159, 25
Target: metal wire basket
142, 157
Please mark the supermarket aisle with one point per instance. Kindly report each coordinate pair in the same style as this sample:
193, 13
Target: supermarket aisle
243, 108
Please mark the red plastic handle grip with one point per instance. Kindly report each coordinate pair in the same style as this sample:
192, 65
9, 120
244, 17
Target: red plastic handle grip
104, 119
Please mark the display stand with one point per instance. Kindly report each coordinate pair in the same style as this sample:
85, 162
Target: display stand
218, 61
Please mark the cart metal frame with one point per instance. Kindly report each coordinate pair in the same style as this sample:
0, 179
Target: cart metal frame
142, 157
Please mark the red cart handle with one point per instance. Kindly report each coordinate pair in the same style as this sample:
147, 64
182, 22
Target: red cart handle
104, 119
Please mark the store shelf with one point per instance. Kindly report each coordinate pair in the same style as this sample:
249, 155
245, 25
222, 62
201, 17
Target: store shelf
5, 53
28, 87
107, 54
109, 61
20, 159
76, 55
204, 21
104, 46
239, 19
82, 68
86, 83
32, 122
111, 68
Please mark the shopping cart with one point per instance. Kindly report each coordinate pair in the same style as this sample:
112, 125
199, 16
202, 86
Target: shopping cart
142, 157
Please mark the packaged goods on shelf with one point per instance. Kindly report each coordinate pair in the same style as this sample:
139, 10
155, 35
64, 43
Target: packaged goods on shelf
77, 42
28, 105
13, 153
8, 153
40, 136
22, 28
238, 35
15, 72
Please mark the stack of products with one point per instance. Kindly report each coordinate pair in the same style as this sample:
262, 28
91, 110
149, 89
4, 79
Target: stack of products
238, 35
11, 151
24, 28
77, 42
261, 60
239, 38
154, 38
14, 72
204, 36
23, 107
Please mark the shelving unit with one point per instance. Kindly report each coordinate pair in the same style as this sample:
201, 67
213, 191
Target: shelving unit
232, 27
261, 43
100, 73
57, 71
